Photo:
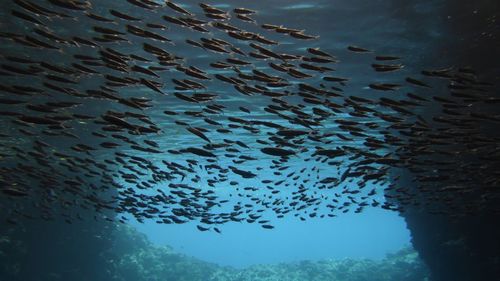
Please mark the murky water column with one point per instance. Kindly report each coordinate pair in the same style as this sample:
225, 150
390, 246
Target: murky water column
63, 243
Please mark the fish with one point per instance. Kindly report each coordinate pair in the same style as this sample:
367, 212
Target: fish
177, 8
245, 18
417, 82
151, 85
387, 67
384, 86
267, 226
198, 151
201, 228
318, 52
123, 16
198, 133
72, 5
386, 58
98, 17
121, 105
242, 173
244, 11
106, 30
303, 36
357, 49
276, 151
26, 17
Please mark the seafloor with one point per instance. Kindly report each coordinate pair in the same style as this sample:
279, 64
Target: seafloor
132, 257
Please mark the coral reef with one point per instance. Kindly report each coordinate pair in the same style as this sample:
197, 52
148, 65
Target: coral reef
135, 258
124, 254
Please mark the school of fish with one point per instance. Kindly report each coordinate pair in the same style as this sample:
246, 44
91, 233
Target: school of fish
101, 110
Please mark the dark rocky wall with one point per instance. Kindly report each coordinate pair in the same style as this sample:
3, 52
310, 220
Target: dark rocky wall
464, 247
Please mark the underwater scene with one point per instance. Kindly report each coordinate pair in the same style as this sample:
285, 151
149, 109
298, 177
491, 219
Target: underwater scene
230, 140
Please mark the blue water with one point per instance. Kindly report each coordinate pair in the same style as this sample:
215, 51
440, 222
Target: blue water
372, 234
